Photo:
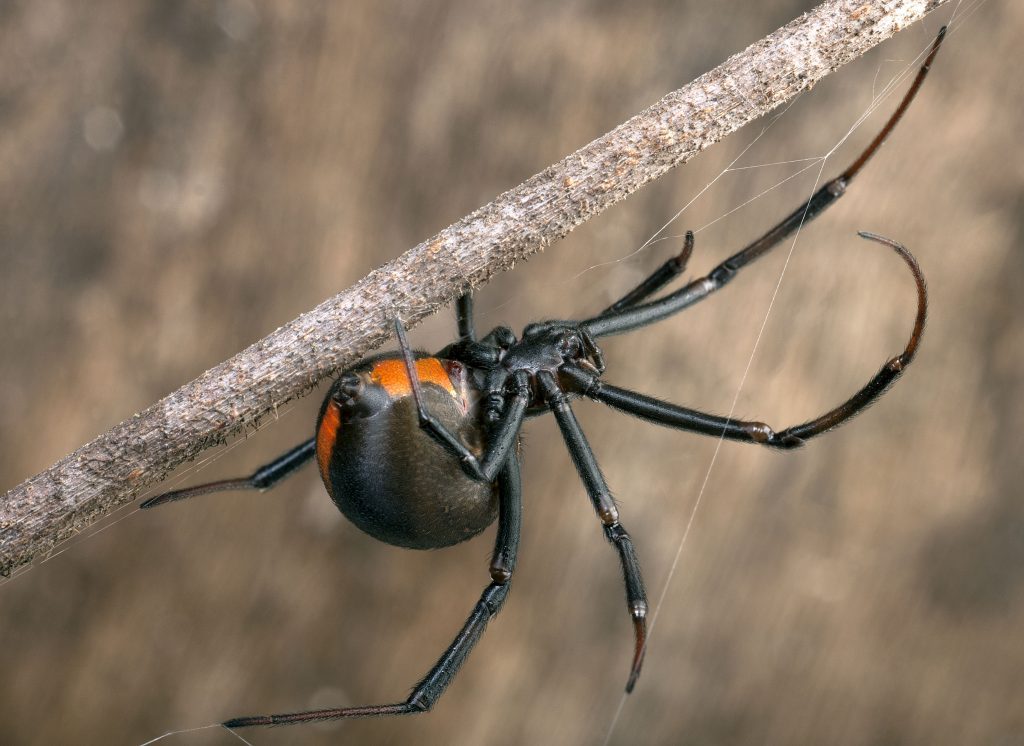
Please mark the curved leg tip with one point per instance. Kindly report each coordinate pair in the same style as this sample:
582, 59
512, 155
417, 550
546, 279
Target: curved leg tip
640, 632
158, 500
245, 722
632, 682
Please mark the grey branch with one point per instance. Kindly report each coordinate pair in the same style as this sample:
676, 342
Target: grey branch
114, 468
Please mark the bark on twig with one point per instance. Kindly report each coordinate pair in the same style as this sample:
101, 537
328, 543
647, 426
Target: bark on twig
111, 470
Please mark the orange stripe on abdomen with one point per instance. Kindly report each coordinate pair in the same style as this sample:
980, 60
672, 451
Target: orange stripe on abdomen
393, 378
326, 437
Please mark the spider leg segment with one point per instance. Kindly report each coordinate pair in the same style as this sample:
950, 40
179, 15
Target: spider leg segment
263, 478
658, 279
604, 505
617, 321
504, 431
429, 689
484, 353
672, 415
464, 318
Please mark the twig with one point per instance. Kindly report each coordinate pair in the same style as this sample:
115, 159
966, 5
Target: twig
112, 470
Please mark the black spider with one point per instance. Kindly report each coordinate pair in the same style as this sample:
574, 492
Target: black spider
381, 424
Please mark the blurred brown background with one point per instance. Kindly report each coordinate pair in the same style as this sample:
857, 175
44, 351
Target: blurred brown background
178, 179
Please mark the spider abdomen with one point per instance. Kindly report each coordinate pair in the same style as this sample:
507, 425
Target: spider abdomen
385, 473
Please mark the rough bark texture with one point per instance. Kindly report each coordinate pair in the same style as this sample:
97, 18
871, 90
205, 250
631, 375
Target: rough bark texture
112, 469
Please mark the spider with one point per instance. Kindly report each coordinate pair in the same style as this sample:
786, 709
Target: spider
422, 451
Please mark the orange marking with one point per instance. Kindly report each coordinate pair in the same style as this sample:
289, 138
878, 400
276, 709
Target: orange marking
325, 440
392, 377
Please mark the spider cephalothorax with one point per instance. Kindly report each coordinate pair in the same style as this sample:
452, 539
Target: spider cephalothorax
422, 451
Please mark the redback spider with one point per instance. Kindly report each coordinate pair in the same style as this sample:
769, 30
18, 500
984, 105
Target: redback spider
422, 451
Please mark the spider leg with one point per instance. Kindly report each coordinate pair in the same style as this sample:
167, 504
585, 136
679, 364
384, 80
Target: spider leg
672, 415
604, 505
658, 279
484, 353
636, 316
429, 689
263, 478
464, 317
503, 432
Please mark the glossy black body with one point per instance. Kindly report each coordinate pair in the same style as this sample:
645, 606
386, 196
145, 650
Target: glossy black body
384, 472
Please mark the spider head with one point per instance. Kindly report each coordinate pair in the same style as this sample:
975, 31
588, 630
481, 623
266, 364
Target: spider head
565, 343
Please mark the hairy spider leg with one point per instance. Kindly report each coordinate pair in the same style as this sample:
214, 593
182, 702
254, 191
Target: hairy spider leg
464, 317
429, 689
672, 415
659, 278
632, 317
604, 505
263, 478
503, 437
